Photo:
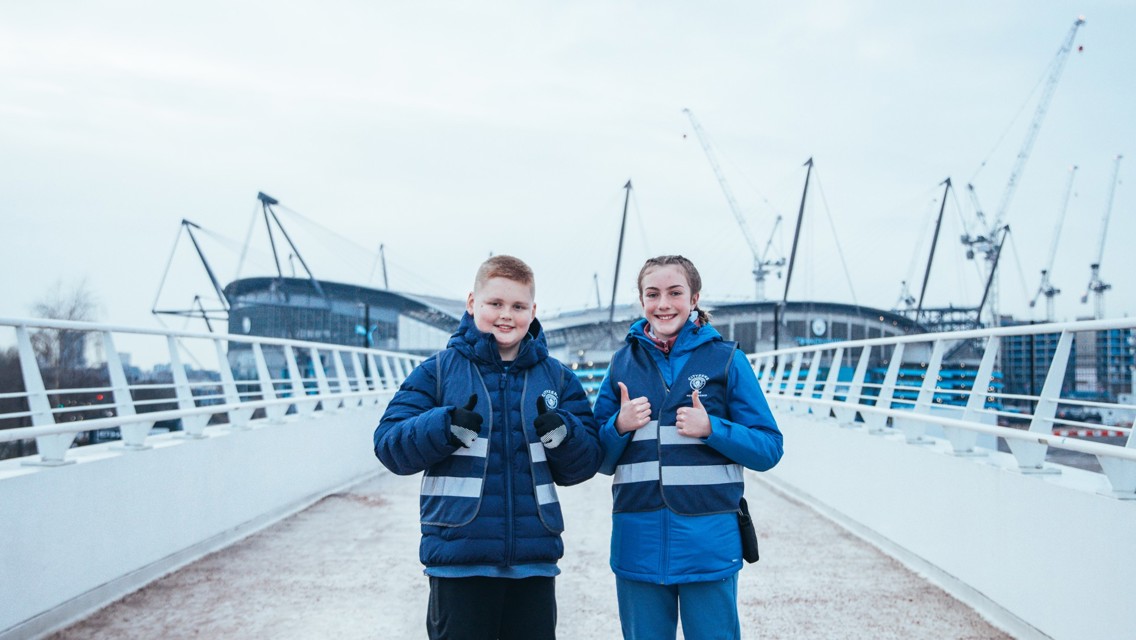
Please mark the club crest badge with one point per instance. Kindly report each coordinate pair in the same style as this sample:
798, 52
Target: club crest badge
697, 381
550, 398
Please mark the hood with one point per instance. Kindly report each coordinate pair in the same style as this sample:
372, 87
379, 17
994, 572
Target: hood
482, 347
690, 337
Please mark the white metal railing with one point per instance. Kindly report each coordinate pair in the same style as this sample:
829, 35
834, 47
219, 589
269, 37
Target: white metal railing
1030, 423
335, 377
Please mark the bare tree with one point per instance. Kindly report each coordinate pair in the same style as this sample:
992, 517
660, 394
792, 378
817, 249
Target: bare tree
64, 349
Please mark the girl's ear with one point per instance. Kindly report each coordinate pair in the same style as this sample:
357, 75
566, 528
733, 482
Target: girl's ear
694, 301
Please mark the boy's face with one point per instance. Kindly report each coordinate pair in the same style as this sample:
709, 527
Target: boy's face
504, 308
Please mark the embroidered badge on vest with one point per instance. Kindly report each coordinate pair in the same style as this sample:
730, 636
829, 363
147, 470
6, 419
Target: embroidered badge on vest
550, 398
697, 381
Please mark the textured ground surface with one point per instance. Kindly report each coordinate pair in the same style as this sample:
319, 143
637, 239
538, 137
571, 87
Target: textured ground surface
348, 568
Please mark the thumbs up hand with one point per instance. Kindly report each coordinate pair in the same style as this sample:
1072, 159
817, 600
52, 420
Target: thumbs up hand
633, 414
465, 423
549, 425
693, 421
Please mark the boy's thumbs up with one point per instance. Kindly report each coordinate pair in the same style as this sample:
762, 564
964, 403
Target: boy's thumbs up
465, 423
624, 397
550, 427
695, 401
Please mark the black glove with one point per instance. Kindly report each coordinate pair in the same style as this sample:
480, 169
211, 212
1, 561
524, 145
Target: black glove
465, 424
549, 425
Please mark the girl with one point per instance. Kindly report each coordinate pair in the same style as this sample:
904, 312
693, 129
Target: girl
680, 415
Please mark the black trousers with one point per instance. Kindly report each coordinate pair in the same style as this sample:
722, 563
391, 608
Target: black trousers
492, 609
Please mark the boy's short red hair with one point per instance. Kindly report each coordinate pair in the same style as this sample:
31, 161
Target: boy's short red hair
506, 267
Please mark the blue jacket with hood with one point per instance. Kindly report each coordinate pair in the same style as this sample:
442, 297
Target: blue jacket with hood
657, 536
489, 510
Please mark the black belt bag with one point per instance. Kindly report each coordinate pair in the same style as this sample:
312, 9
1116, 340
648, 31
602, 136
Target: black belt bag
749, 535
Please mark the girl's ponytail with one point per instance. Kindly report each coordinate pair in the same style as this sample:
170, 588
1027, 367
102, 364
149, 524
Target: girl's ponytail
703, 316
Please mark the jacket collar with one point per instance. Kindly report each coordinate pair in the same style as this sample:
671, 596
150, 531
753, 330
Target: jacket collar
482, 347
689, 338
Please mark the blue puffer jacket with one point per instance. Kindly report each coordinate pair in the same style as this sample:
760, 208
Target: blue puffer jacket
660, 545
510, 518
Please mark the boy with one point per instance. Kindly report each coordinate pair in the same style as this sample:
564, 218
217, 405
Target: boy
495, 423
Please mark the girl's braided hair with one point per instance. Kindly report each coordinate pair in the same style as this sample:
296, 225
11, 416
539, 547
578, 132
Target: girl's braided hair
692, 278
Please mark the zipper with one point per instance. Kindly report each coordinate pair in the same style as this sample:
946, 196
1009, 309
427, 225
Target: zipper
507, 452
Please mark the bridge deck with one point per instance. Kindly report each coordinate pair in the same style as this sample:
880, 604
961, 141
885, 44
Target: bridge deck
348, 568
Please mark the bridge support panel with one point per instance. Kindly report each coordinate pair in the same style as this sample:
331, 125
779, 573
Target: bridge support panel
1040, 556
91, 532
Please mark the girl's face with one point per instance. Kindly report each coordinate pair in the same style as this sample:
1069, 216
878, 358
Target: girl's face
666, 300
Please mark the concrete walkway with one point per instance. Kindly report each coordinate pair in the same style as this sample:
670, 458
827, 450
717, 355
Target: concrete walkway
348, 568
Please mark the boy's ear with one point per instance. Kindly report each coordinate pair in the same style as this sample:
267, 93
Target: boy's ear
469, 303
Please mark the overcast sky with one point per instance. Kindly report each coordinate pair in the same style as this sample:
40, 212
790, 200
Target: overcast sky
447, 131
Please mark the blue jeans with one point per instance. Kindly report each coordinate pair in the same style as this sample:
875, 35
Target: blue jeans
709, 610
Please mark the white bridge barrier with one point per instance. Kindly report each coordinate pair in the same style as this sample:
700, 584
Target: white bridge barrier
83, 526
1039, 547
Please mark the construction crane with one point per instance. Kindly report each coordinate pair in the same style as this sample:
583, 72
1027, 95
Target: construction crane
1046, 287
1096, 285
761, 262
986, 243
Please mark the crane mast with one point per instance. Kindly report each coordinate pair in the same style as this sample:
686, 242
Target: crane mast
986, 243
761, 265
1096, 286
1046, 287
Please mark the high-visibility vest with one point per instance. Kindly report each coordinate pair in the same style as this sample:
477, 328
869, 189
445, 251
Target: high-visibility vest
660, 468
451, 491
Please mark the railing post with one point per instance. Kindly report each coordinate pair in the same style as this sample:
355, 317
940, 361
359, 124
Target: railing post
1030, 454
791, 386
847, 416
833, 377
388, 374
914, 430
52, 448
963, 441
810, 383
274, 412
376, 376
299, 391
403, 369
877, 422
238, 416
133, 434
344, 384
328, 404
361, 382
193, 426
777, 387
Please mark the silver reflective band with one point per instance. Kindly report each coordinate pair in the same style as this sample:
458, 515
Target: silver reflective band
649, 431
637, 472
480, 449
702, 474
670, 435
536, 452
450, 486
546, 493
